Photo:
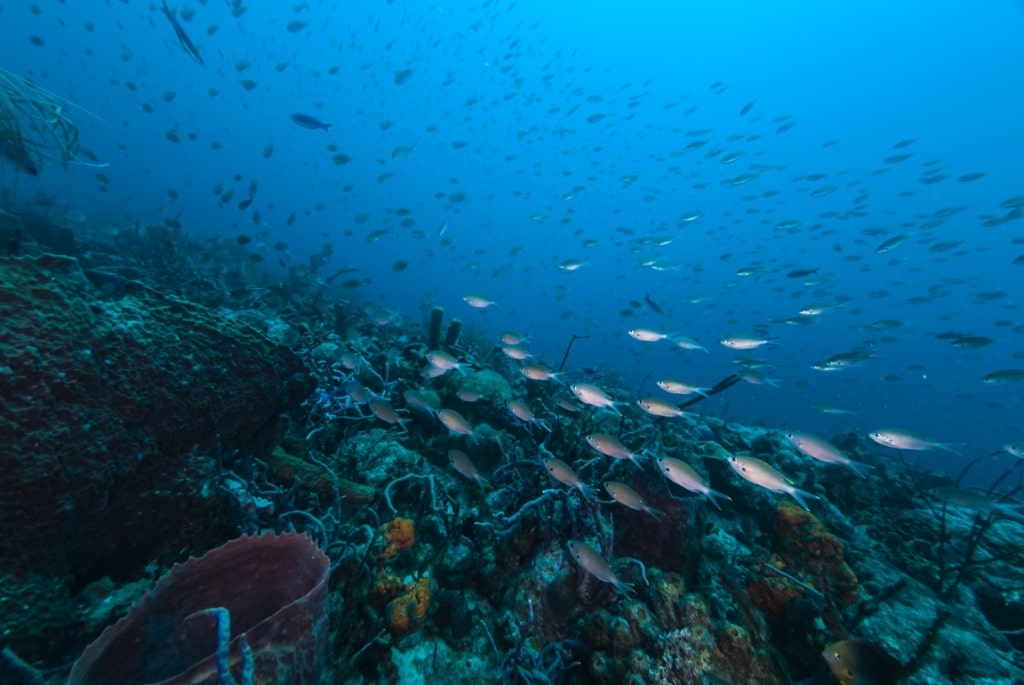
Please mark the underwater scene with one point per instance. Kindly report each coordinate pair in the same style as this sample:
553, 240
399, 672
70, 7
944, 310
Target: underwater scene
511, 341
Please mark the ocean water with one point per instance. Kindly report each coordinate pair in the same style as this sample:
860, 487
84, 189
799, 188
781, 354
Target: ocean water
542, 114
733, 162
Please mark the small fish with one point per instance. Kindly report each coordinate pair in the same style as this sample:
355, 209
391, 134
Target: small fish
648, 335
186, 42
738, 342
653, 305
1015, 448
682, 342
461, 462
306, 121
678, 387
764, 475
834, 409
656, 406
611, 447
594, 396
859, 662
478, 301
628, 497
539, 372
593, 563
517, 352
417, 400
570, 265
442, 228
455, 422
686, 477
383, 410
891, 244
972, 499
565, 475
802, 273
442, 360
905, 440
1004, 376
822, 450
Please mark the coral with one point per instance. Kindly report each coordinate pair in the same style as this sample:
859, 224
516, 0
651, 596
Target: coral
287, 467
434, 329
405, 614
107, 407
808, 552
273, 588
452, 336
398, 536
488, 384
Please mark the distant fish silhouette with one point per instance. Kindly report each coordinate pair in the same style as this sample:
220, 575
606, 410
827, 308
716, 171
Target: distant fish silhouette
306, 121
183, 38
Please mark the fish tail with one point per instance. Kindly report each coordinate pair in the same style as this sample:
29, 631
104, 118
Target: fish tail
713, 496
858, 468
623, 587
799, 495
656, 513
949, 447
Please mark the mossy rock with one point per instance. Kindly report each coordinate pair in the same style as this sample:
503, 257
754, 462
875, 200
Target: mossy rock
488, 384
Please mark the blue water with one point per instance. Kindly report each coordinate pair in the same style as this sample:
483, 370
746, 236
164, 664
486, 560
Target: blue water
514, 84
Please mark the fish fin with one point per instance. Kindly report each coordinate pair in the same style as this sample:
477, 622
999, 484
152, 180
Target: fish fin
858, 468
948, 446
622, 587
713, 496
799, 495
656, 513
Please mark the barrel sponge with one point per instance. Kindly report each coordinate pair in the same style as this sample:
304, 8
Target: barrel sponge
274, 588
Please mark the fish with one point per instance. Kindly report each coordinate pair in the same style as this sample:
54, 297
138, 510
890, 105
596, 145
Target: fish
972, 499
565, 475
383, 410
570, 265
764, 475
611, 447
859, 662
801, 273
461, 462
1015, 448
891, 244
686, 477
417, 400
442, 360
455, 422
539, 372
658, 407
738, 342
1004, 376
678, 387
186, 42
822, 450
307, 121
834, 409
648, 335
593, 563
905, 440
478, 301
653, 305
682, 342
628, 497
594, 396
